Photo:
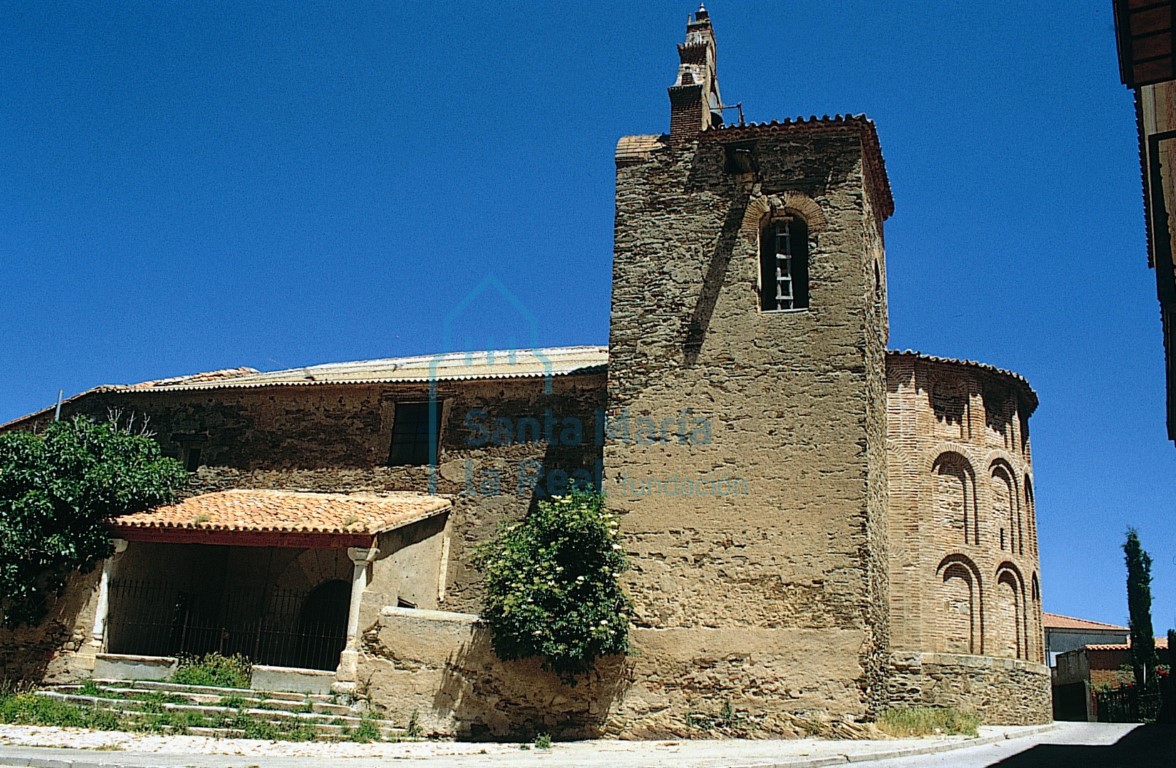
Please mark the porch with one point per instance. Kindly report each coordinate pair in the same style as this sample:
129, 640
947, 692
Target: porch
281, 578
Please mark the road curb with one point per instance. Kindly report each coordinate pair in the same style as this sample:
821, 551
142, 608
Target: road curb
931, 749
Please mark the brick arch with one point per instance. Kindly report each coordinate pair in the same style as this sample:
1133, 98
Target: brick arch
1030, 514
1002, 474
766, 206
961, 595
1010, 621
1038, 644
959, 507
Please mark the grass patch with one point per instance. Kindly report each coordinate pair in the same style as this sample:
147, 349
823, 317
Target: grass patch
215, 670
90, 688
928, 721
30, 709
365, 732
154, 716
232, 702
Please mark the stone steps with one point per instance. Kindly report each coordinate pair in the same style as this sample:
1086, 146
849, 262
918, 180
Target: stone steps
225, 712
180, 688
246, 698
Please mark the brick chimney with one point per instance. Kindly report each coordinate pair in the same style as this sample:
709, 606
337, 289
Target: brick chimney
694, 96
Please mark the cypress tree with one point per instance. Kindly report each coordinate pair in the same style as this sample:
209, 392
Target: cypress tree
1143, 643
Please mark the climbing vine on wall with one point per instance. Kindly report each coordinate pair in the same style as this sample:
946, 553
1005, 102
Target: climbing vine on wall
552, 586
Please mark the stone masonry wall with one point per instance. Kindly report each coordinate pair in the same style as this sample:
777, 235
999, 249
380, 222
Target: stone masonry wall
1002, 691
46, 652
759, 534
441, 667
337, 438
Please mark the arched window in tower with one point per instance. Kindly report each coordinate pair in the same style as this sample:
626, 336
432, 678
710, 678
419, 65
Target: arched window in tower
784, 282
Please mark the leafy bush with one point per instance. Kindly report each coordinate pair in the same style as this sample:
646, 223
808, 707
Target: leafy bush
215, 670
57, 490
552, 586
928, 721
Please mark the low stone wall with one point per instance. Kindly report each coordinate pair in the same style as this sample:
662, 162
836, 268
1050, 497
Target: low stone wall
1001, 691
48, 652
675, 684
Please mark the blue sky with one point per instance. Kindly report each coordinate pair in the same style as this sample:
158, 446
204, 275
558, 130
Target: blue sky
197, 186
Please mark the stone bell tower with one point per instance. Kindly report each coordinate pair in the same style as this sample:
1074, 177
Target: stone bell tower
747, 398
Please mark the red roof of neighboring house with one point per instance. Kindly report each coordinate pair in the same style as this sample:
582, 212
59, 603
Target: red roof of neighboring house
1058, 621
1161, 645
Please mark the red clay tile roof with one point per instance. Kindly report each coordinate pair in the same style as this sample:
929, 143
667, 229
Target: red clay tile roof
1161, 644
290, 512
1057, 621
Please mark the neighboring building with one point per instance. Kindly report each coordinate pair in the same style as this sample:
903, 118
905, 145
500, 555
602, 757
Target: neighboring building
1081, 671
819, 527
1066, 633
1147, 64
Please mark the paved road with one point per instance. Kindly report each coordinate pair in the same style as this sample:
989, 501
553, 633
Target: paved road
1070, 745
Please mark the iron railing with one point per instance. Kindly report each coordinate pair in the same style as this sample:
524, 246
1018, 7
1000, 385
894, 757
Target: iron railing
1128, 704
277, 627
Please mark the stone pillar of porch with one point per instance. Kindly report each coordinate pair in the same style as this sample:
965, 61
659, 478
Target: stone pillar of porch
347, 674
88, 652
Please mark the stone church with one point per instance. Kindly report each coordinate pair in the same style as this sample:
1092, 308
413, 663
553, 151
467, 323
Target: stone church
819, 527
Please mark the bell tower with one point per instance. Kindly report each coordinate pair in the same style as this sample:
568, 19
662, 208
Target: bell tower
746, 453
695, 103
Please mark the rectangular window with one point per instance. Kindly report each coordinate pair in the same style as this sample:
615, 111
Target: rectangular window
191, 458
412, 432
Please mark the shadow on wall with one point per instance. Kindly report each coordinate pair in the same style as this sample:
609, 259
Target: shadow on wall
516, 700
1146, 745
26, 652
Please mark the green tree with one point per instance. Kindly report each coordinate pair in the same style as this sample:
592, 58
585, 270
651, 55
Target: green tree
57, 490
1143, 642
552, 586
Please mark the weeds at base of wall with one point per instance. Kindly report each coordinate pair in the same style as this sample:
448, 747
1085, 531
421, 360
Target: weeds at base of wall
413, 730
908, 722
213, 669
726, 719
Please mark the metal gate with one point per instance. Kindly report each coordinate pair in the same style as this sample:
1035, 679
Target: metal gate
277, 627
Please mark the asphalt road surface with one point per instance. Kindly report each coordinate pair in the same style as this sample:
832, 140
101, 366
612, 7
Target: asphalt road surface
1071, 745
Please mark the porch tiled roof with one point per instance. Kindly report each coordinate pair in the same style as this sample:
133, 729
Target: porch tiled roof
266, 511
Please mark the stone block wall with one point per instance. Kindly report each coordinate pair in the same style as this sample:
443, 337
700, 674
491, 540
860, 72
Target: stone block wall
337, 439
49, 651
794, 558
676, 684
1002, 691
